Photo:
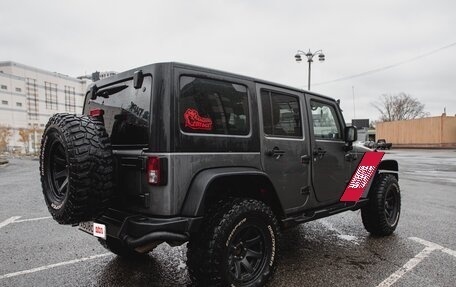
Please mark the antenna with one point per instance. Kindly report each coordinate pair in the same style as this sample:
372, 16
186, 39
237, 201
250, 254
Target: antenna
354, 111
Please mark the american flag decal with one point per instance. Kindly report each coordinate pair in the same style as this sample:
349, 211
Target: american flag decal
362, 176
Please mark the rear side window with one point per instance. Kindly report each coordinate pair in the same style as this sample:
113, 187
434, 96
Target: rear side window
210, 106
281, 114
126, 111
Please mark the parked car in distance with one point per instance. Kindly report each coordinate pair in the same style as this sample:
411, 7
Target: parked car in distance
382, 144
370, 144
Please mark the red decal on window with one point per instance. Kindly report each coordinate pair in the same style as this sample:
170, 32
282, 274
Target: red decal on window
194, 121
362, 176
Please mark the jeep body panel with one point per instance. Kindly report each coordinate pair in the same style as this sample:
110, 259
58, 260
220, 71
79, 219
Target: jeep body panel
301, 177
303, 166
199, 189
285, 158
331, 168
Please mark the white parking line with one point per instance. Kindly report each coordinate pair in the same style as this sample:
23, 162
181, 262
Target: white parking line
430, 247
9, 221
434, 245
15, 219
407, 267
32, 219
33, 270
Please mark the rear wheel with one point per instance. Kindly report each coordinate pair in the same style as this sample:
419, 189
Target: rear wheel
381, 215
238, 246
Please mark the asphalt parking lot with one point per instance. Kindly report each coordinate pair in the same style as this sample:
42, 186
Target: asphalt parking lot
336, 251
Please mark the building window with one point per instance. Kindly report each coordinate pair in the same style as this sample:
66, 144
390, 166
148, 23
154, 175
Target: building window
32, 98
4, 87
18, 104
18, 90
4, 102
70, 96
50, 90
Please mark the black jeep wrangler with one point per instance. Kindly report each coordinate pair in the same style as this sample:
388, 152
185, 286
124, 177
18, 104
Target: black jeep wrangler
176, 153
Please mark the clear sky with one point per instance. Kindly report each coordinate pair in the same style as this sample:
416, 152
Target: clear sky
254, 38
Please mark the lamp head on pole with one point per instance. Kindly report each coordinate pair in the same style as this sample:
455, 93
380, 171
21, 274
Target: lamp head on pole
298, 58
321, 57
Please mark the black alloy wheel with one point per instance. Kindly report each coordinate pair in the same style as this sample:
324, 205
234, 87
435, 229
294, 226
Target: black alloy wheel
247, 254
381, 215
391, 205
58, 176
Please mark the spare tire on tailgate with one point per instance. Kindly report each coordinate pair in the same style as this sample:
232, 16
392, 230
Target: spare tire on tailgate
75, 167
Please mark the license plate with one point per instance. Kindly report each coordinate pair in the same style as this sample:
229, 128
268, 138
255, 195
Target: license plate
93, 228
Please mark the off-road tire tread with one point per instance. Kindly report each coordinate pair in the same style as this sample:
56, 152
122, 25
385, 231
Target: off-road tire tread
372, 215
90, 166
203, 260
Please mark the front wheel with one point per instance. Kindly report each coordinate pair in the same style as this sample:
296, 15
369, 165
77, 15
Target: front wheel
238, 246
381, 215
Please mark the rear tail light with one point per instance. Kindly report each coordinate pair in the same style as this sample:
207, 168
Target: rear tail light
96, 113
154, 171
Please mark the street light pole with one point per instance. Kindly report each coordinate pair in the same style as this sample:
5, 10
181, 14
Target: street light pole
309, 55
308, 81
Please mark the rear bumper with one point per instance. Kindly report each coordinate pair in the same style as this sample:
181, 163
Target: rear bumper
139, 230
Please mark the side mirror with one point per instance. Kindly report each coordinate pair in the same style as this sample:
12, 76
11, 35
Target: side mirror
138, 78
351, 134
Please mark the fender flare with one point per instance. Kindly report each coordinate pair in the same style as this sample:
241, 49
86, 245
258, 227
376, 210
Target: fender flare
389, 166
386, 166
194, 202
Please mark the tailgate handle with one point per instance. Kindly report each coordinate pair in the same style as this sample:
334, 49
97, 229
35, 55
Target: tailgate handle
131, 162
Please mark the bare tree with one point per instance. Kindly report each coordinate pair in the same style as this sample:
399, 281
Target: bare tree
399, 107
24, 137
35, 133
5, 133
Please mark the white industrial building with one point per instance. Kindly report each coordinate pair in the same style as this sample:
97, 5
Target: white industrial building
30, 96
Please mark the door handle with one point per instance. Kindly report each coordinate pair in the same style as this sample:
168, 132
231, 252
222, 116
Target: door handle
275, 152
320, 153
305, 159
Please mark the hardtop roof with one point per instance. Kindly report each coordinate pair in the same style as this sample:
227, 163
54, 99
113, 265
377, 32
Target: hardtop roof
130, 72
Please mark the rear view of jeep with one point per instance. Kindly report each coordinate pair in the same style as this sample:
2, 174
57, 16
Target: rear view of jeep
176, 153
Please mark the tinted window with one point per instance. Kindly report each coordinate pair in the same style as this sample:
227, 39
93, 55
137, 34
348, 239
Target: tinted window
126, 111
281, 114
324, 118
213, 107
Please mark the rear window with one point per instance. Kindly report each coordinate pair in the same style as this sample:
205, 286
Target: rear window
126, 111
210, 106
281, 115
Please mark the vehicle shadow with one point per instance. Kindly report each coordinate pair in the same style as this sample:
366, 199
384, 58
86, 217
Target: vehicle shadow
164, 266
